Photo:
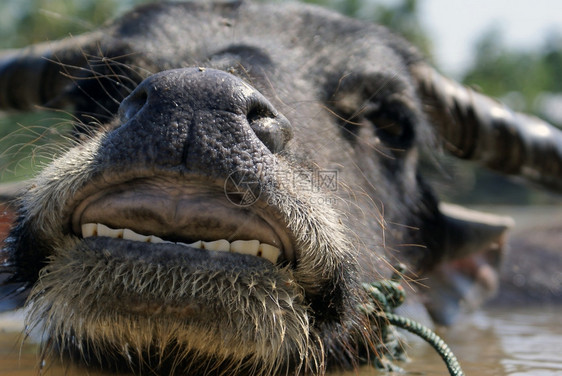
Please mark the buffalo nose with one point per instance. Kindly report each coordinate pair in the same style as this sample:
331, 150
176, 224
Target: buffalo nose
209, 93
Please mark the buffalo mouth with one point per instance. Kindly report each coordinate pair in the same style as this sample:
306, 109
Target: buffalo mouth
158, 213
142, 265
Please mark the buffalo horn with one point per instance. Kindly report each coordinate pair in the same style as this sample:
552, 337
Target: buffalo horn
475, 127
39, 74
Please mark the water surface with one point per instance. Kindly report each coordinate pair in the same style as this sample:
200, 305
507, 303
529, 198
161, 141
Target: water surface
493, 342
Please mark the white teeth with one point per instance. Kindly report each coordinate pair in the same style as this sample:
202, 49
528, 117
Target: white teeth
217, 245
156, 239
89, 229
103, 230
131, 235
269, 252
197, 244
245, 247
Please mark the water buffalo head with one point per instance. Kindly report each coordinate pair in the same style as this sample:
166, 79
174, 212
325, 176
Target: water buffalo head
262, 165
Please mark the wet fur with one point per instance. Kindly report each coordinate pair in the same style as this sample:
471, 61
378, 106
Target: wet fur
84, 299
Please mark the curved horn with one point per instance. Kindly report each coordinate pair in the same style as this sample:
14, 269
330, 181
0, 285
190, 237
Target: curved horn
32, 76
478, 128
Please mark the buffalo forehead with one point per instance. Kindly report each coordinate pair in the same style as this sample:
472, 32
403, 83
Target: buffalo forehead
283, 39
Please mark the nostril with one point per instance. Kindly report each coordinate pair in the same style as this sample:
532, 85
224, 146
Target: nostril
257, 112
133, 104
273, 129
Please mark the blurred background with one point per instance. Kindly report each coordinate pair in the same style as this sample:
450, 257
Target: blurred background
511, 50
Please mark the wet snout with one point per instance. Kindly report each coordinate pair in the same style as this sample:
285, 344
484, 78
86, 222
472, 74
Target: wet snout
197, 118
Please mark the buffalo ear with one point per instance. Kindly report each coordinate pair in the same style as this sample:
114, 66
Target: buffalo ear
468, 275
473, 126
469, 231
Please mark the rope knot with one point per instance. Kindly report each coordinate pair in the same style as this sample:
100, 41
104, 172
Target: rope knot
384, 297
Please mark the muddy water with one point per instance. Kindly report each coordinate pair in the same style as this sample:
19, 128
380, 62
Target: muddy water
492, 342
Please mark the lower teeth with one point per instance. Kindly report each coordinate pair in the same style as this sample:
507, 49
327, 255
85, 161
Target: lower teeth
246, 247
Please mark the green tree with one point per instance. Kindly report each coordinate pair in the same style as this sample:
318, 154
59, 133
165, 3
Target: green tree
31, 21
552, 60
499, 70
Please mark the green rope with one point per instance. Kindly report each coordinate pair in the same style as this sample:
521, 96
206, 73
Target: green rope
430, 337
386, 295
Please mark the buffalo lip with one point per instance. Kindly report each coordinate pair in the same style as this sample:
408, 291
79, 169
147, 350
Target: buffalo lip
167, 256
183, 213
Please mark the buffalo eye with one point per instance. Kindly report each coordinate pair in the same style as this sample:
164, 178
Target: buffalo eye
393, 126
390, 123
